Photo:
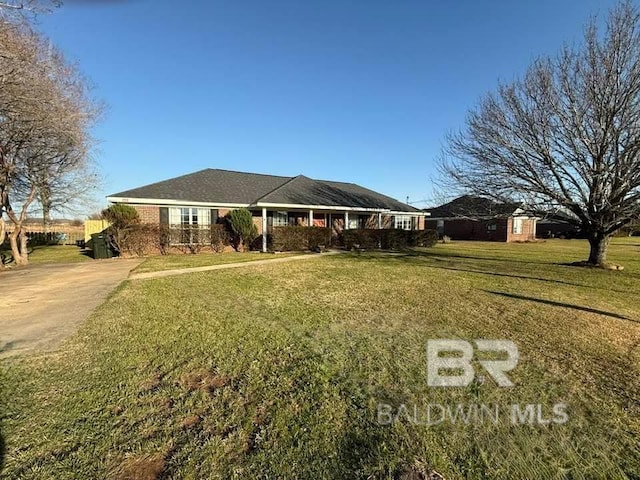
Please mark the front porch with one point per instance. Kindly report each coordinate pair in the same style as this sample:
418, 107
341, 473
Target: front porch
266, 218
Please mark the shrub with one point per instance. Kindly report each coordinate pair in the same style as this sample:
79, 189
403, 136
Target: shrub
243, 228
141, 240
318, 237
361, 238
219, 237
190, 239
388, 238
123, 219
423, 238
296, 238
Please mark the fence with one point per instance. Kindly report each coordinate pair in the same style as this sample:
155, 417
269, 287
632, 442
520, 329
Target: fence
50, 238
94, 226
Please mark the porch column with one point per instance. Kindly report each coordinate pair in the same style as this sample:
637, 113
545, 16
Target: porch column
379, 220
346, 221
310, 218
264, 229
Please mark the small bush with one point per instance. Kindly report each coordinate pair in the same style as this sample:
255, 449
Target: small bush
220, 238
141, 240
145, 239
362, 238
318, 237
243, 228
190, 239
123, 219
298, 238
388, 238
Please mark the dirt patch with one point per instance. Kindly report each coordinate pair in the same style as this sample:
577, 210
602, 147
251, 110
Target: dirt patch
191, 421
145, 467
204, 380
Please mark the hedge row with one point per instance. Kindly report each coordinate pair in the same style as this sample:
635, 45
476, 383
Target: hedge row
142, 239
389, 238
294, 238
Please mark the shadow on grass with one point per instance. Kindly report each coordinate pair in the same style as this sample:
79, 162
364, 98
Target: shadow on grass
522, 277
561, 304
437, 255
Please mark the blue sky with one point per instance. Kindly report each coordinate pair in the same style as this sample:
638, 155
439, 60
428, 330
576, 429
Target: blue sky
359, 91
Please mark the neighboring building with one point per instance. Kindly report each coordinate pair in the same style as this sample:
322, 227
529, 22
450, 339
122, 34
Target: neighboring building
477, 218
200, 198
557, 224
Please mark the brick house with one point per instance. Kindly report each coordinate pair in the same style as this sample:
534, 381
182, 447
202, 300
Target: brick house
477, 218
201, 198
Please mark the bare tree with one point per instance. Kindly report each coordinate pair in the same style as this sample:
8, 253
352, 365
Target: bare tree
567, 135
66, 192
25, 9
45, 116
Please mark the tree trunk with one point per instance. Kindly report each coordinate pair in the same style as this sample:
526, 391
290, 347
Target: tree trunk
3, 232
599, 244
18, 242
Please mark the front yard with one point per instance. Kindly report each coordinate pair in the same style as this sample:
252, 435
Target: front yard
279, 371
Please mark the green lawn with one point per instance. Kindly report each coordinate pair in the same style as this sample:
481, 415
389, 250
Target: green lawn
277, 371
55, 254
170, 262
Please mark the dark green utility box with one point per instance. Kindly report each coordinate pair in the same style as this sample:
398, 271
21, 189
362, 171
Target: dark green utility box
101, 246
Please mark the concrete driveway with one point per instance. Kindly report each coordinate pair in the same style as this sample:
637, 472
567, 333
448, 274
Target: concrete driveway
41, 305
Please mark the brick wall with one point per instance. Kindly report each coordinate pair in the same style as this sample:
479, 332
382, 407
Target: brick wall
494, 230
148, 214
528, 231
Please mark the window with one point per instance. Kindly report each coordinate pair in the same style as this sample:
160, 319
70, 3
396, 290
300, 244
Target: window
492, 227
403, 222
280, 219
517, 226
190, 222
353, 222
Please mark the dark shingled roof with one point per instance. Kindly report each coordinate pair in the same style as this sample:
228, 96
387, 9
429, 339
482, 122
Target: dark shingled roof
306, 191
473, 207
210, 186
224, 186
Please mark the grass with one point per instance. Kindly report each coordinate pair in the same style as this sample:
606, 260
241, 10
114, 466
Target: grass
55, 254
277, 371
176, 261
